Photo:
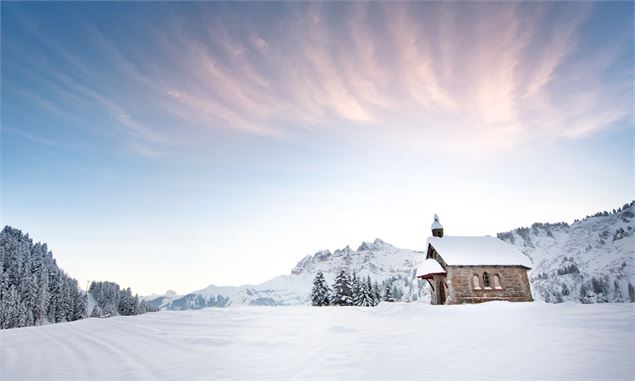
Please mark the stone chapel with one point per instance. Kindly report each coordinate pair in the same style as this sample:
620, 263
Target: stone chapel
473, 269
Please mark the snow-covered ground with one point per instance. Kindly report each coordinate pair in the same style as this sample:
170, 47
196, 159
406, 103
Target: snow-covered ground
493, 341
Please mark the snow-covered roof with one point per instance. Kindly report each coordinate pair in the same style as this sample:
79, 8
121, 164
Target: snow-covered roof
478, 251
436, 224
429, 267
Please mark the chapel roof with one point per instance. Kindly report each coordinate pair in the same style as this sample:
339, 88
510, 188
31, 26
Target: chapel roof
477, 251
429, 267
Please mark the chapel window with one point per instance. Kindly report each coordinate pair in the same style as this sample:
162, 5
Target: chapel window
486, 280
476, 282
497, 281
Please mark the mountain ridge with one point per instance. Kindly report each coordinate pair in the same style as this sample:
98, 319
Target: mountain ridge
557, 266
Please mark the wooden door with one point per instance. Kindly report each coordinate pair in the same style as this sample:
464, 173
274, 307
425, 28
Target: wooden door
441, 288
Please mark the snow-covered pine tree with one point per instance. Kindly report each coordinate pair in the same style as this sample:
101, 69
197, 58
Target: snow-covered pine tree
320, 294
356, 290
128, 304
11, 314
135, 304
366, 291
397, 293
40, 274
53, 295
388, 293
6, 310
69, 299
376, 294
59, 291
107, 297
96, 312
342, 292
27, 291
80, 305
123, 308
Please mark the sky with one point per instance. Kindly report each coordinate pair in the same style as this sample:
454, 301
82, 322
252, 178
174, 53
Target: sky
177, 145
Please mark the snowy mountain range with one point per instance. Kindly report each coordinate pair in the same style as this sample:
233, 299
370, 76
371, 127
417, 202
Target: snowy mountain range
380, 260
589, 261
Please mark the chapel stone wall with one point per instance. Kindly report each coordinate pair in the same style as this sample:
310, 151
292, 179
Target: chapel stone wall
514, 284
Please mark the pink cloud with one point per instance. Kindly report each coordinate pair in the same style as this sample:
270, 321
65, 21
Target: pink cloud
470, 75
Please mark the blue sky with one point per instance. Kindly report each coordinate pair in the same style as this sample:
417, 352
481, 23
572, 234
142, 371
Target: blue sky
165, 145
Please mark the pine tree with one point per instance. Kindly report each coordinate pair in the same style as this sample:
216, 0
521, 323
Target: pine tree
356, 289
69, 299
617, 297
342, 292
12, 310
40, 274
128, 304
80, 305
59, 296
320, 294
27, 289
96, 312
6, 310
376, 294
135, 305
53, 293
388, 293
366, 291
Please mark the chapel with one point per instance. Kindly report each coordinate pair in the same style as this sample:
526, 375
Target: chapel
473, 269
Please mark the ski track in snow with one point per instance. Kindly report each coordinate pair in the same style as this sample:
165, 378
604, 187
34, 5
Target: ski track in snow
493, 341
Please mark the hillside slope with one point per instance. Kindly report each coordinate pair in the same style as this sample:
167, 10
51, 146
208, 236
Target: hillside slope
590, 261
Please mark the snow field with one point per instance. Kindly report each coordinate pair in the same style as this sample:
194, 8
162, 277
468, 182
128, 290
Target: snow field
493, 341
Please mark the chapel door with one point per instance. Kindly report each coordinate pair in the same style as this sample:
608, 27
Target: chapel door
441, 289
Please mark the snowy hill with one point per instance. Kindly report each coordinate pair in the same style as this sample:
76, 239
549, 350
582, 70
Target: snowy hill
590, 261
380, 260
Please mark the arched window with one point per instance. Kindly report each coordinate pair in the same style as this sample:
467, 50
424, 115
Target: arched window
497, 282
476, 283
486, 280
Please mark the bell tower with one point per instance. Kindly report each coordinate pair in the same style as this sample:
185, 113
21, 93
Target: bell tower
437, 228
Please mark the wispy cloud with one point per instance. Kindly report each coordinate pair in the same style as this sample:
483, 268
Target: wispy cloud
472, 75
30, 137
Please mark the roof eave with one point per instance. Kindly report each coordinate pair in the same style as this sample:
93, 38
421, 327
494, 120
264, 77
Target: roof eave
481, 265
429, 276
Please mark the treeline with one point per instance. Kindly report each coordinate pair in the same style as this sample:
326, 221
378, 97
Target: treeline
110, 300
349, 290
624, 208
33, 289
625, 212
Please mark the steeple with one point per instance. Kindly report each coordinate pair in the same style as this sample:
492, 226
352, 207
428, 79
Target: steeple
437, 228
